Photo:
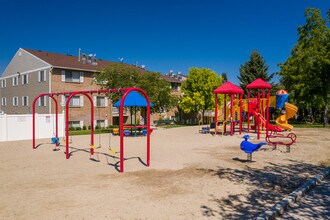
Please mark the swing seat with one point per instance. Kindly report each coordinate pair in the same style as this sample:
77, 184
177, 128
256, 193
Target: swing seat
112, 151
115, 131
54, 140
127, 132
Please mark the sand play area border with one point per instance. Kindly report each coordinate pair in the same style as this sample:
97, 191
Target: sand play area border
192, 176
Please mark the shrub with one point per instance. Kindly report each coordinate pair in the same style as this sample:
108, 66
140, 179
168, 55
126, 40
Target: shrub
84, 127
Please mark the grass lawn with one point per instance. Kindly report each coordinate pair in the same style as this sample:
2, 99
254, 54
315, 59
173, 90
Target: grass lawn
103, 131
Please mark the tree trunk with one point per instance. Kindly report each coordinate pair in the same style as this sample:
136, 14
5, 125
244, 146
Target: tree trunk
203, 112
200, 119
325, 116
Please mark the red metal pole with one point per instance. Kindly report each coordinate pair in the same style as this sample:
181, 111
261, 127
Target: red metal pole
148, 123
231, 114
241, 113
86, 93
92, 121
33, 117
263, 96
216, 113
248, 112
67, 128
258, 119
267, 115
149, 131
224, 114
121, 132
121, 126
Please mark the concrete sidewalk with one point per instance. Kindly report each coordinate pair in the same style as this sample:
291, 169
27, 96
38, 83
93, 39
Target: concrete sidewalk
314, 205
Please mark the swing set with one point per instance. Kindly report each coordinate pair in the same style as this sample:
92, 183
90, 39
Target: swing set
88, 94
112, 151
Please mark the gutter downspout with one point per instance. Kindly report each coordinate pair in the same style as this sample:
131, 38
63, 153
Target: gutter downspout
50, 88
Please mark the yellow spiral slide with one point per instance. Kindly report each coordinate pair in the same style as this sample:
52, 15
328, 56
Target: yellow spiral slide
290, 111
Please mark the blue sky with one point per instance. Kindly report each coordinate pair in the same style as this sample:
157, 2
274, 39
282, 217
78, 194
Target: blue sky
163, 35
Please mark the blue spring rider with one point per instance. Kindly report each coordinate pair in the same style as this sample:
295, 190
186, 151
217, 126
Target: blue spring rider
249, 147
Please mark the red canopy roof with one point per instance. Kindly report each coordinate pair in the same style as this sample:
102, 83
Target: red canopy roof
259, 84
228, 88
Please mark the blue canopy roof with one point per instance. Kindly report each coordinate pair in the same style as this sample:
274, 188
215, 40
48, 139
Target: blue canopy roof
134, 99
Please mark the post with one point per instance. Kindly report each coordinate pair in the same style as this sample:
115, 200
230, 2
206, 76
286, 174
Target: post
241, 113
216, 113
224, 113
231, 114
248, 112
121, 132
267, 114
259, 118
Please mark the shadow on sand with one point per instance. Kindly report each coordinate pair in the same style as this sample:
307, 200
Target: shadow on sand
266, 187
109, 157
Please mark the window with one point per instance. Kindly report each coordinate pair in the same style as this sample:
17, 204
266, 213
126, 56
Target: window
3, 101
15, 101
25, 101
75, 101
175, 87
3, 83
72, 76
15, 81
100, 123
42, 76
100, 101
74, 124
25, 79
42, 101
115, 110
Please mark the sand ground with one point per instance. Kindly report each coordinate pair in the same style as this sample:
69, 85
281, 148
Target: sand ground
192, 176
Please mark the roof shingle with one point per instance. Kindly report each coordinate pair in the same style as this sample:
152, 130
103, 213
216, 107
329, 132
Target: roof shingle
68, 61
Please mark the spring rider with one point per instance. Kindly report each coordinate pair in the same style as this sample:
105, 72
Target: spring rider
249, 147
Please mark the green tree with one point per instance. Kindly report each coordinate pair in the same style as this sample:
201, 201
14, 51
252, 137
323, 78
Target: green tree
120, 75
117, 75
159, 91
253, 69
198, 90
307, 71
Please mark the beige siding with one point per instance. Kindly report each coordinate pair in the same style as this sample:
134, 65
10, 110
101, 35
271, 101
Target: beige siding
31, 90
23, 62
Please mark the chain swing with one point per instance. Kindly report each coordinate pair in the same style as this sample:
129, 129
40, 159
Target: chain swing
55, 140
112, 151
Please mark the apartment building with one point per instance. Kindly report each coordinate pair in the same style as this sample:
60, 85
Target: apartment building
175, 80
32, 72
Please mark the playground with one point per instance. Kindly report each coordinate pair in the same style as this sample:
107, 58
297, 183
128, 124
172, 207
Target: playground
191, 176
